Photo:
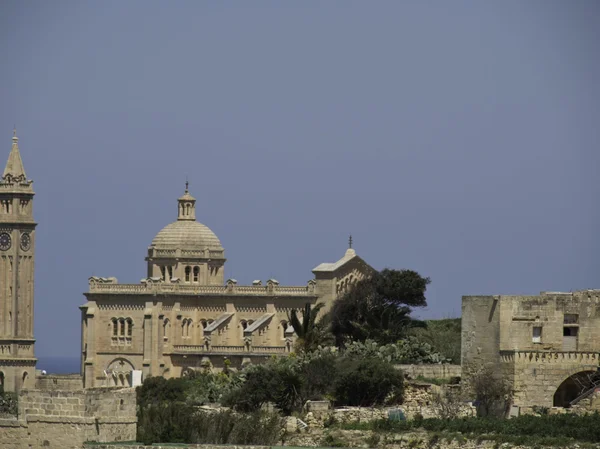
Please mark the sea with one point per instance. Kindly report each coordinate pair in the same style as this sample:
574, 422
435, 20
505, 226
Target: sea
58, 365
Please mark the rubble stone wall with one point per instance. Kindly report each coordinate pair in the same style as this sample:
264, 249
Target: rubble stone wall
66, 419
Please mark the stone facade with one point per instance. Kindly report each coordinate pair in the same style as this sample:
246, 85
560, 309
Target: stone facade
547, 345
17, 257
67, 419
184, 316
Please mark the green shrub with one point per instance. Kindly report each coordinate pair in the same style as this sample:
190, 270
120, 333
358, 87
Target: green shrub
564, 427
9, 404
173, 422
366, 382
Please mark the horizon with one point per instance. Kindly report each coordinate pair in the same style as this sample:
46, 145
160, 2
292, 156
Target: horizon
457, 140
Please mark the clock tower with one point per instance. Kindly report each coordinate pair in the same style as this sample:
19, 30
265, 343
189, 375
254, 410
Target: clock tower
17, 249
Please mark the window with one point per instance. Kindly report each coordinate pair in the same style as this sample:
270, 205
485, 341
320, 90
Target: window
537, 335
115, 327
188, 271
170, 270
122, 327
196, 273
570, 331
162, 273
166, 329
204, 323
129, 327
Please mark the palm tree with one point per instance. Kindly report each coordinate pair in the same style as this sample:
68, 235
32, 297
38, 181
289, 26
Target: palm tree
310, 333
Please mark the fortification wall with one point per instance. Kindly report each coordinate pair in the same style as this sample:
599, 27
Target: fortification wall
66, 419
64, 382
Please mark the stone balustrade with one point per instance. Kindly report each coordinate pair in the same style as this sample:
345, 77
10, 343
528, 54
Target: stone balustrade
160, 287
234, 349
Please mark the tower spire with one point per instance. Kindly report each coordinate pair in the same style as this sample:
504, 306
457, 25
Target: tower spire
350, 242
14, 172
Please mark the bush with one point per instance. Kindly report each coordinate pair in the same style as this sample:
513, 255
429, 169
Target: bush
173, 422
564, 427
366, 382
9, 404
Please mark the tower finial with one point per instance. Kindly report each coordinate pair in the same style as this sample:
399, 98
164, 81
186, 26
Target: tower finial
350, 242
187, 184
15, 138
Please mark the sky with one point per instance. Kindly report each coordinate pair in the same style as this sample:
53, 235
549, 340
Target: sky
458, 139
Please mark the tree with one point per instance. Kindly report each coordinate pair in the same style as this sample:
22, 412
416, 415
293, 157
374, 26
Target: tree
310, 332
379, 307
492, 392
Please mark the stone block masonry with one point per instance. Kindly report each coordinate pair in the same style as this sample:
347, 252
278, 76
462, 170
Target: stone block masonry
62, 419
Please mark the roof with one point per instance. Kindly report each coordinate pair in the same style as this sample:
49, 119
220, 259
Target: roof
183, 234
350, 254
14, 165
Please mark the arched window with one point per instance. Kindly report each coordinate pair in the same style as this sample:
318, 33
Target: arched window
166, 325
115, 327
1, 382
188, 271
183, 325
129, 327
122, 327
25, 376
203, 323
196, 273
243, 326
190, 324
162, 273
170, 270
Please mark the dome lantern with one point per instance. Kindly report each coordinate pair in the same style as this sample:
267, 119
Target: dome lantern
186, 206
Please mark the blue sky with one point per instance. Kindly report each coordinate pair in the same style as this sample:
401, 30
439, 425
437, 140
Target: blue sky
459, 139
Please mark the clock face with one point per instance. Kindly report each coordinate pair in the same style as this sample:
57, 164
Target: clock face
25, 241
4, 241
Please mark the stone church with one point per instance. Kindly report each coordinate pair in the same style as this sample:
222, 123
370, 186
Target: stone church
185, 316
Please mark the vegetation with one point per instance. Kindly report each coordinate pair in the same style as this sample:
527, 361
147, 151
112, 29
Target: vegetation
567, 428
8, 404
443, 336
173, 422
311, 332
378, 308
346, 379
491, 392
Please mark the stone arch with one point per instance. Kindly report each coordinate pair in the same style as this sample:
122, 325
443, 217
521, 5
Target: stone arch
573, 386
119, 372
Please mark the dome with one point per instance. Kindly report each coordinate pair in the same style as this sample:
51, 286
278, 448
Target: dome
185, 234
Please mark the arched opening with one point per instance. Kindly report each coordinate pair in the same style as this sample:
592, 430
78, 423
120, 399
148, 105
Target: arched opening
188, 271
118, 373
196, 274
25, 376
284, 326
1, 382
574, 386
166, 325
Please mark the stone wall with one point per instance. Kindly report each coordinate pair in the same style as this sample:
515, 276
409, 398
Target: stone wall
64, 382
430, 371
419, 399
66, 419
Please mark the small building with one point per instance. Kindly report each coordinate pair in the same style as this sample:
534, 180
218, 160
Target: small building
546, 346
184, 316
